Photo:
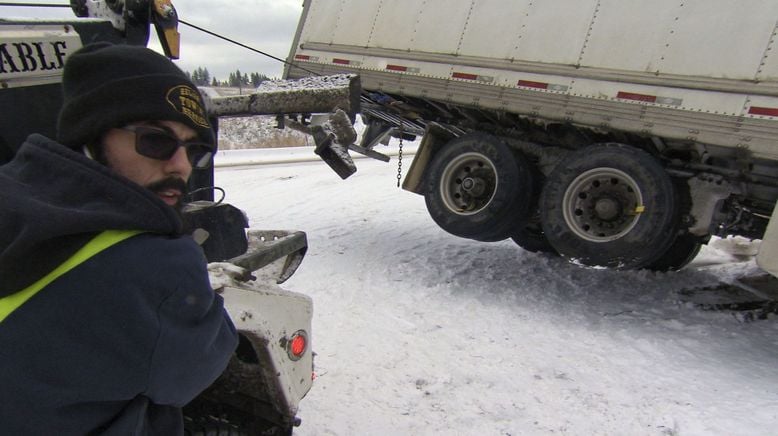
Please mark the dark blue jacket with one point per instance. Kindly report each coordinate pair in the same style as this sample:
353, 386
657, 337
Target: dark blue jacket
120, 343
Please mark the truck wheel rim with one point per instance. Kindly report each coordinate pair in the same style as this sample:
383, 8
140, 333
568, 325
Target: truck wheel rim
602, 205
468, 183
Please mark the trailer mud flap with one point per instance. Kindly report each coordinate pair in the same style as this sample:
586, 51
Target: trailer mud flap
767, 258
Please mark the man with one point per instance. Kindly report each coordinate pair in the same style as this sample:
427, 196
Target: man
108, 324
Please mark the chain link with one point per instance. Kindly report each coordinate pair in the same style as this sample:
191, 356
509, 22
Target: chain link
400, 163
400, 157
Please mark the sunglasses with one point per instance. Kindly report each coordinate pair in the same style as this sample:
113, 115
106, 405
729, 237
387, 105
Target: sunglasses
156, 143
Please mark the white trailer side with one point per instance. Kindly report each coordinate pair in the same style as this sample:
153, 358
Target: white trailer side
692, 83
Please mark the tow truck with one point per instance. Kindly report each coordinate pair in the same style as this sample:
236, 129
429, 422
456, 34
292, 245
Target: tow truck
272, 369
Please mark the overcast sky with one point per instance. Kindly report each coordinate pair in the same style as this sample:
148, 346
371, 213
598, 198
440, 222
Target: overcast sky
267, 25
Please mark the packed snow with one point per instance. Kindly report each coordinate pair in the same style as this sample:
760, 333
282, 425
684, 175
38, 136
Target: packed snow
418, 332
258, 131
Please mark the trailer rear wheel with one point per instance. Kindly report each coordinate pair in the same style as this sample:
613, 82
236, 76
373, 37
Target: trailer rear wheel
531, 237
685, 246
610, 205
479, 188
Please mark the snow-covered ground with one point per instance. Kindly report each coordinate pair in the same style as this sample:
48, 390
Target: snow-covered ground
418, 332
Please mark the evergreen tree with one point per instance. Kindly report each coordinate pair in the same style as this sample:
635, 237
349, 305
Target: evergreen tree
257, 78
194, 77
238, 79
201, 76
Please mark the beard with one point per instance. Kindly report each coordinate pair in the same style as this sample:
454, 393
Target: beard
170, 183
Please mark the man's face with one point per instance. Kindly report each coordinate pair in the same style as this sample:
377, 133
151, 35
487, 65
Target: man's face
166, 178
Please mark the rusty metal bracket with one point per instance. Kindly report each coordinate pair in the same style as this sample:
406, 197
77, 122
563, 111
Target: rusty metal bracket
268, 246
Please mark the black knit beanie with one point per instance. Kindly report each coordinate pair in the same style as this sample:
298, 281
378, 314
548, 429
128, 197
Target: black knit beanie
107, 86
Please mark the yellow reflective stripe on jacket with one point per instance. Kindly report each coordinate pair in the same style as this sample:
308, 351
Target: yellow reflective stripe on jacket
99, 243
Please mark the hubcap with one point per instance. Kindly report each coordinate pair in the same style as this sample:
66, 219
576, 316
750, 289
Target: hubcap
607, 208
602, 204
468, 183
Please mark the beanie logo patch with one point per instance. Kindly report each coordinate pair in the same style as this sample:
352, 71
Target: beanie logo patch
187, 101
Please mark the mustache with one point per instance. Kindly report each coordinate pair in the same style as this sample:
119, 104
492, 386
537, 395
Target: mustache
168, 183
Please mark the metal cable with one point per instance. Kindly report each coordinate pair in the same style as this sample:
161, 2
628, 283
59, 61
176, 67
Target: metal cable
58, 5
245, 46
36, 5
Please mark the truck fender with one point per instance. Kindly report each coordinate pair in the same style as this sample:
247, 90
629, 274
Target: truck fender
435, 136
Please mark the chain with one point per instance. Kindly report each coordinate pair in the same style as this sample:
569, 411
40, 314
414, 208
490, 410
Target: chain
400, 157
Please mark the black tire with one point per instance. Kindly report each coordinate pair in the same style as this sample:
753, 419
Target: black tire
683, 250
479, 188
610, 205
211, 426
221, 411
531, 238
686, 246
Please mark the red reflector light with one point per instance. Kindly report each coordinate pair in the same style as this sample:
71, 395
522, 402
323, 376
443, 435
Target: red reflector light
396, 67
531, 84
636, 97
768, 111
302, 57
464, 76
297, 345
341, 61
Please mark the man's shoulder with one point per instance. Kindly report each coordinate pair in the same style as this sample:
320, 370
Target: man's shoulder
154, 247
154, 258
151, 263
